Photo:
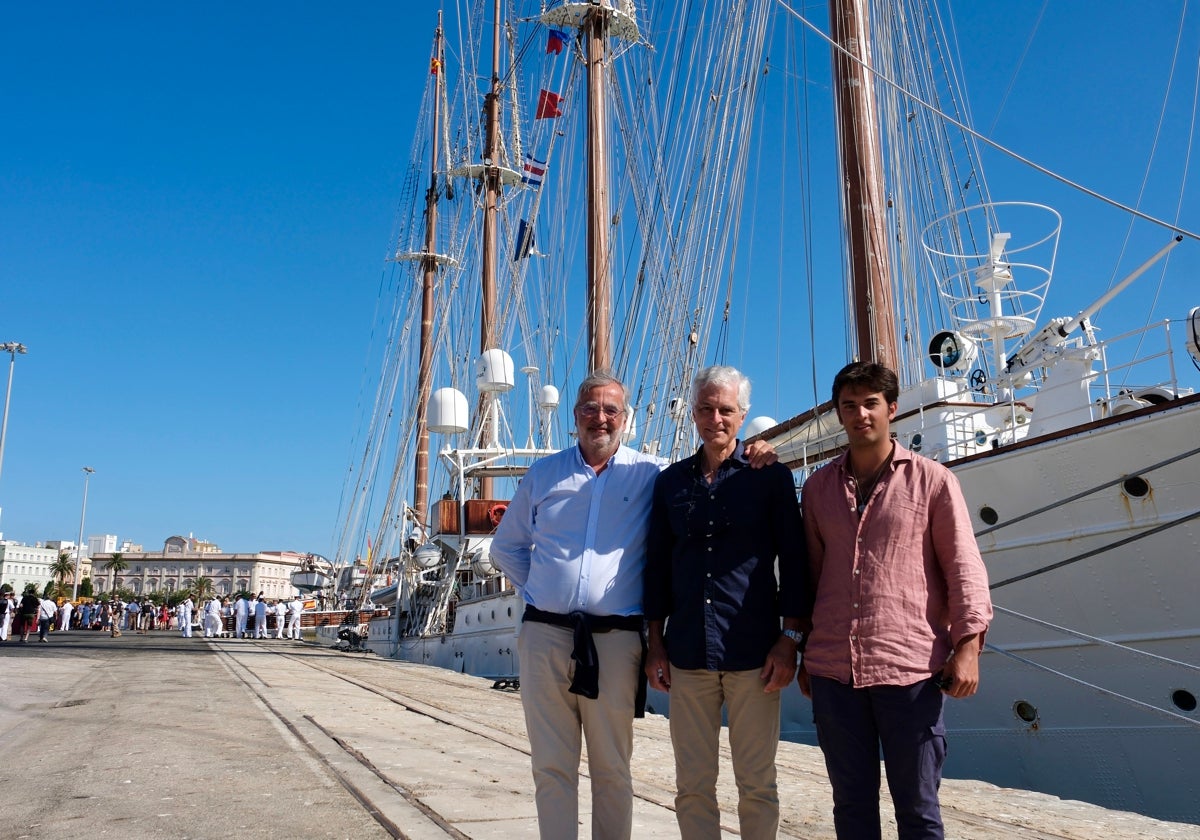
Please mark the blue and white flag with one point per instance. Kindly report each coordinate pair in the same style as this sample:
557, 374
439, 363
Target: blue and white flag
533, 171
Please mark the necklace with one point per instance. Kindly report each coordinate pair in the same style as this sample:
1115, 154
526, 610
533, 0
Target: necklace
863, 489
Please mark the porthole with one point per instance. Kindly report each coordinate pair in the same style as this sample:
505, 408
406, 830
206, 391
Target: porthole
1136, 487
510, 612
915, 443
1184, 700
1025, 711
988, 514
980, 437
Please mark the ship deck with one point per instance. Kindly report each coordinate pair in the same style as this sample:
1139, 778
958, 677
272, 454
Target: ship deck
160, 736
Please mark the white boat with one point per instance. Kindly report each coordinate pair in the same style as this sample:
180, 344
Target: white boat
1077, 451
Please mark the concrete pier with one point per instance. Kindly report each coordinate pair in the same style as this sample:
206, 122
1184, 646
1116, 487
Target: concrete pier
159, 736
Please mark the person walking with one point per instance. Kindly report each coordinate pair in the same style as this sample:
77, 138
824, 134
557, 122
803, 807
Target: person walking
239, 617
902, 608
295, 609
260, 617
184, 614
47, 610
280, 618
27, 612
8, 609
718, 531
64, 616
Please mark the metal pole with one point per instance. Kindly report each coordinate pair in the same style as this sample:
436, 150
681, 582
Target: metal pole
87, 475
13, 349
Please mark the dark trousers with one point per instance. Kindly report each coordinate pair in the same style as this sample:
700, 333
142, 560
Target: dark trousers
43, 628
852, 724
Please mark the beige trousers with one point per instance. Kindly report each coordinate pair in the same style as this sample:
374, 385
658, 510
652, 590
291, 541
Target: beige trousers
556, 720
696, 701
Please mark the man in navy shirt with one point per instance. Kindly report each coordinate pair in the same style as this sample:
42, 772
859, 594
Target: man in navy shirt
717, 529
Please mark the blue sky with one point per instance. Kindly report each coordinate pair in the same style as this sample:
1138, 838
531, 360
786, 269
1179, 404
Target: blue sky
195, 206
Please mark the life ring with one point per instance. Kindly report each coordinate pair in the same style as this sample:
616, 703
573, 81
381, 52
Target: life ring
496, 513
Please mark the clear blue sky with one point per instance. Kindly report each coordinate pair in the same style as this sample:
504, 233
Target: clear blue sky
195, 205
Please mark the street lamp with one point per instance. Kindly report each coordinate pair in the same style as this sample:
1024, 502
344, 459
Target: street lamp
12, 348
87, 474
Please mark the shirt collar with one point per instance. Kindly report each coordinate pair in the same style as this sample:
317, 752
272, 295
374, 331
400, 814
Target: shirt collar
736, 459
899, 454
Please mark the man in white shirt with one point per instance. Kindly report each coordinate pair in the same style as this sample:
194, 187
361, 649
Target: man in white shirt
46, 614
184, 611
295, 608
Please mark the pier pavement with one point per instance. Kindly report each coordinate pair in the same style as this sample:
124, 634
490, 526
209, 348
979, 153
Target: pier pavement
154, 735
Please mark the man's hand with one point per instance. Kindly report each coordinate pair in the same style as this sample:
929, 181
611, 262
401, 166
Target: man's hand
780, 666
760, 454
658, 666
961, 670
803, 680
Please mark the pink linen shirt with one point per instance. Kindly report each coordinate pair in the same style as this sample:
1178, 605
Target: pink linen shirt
897, 588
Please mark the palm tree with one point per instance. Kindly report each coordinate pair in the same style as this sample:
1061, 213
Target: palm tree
62, 568
202, 589
115, 565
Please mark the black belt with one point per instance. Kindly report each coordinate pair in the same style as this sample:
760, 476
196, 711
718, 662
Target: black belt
586, 681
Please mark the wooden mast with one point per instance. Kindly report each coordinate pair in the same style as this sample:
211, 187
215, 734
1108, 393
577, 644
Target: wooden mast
599, 284
491, 201
863, 199
428, 282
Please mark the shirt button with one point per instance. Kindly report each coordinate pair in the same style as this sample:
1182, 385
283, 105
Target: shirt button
708, 600
710, 548
857, 571
856, 606
853, 638
708, 575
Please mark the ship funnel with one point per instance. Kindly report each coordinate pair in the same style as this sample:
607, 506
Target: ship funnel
448, 412
494, 372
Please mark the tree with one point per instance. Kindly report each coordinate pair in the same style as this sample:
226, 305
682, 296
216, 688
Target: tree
115, 565
62, 568
202, 588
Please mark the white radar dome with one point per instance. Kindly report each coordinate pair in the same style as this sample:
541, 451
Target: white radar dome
447, 413
548, 397
757, 426
495, 372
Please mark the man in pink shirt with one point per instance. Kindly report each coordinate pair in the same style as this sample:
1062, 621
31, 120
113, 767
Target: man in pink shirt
901, 610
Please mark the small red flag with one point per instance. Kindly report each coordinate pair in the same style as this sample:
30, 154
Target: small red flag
547, 107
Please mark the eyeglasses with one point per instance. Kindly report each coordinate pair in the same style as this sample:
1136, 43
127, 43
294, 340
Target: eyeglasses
591, 409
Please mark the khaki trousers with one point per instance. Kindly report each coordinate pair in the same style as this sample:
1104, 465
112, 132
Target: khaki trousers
696, 701
555, 720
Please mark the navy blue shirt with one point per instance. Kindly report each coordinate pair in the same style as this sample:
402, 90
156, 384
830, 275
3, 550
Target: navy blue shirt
710, 564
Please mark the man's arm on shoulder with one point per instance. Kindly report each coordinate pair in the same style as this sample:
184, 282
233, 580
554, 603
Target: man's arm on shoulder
760, 454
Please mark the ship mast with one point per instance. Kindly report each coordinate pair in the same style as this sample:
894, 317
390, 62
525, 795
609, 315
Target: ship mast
599, 284
491, 177
429, 264
597, 21
863, 202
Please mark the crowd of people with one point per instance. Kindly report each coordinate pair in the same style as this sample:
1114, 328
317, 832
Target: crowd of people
22, 617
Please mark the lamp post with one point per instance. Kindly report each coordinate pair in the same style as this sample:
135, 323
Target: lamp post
87, 475
12, 348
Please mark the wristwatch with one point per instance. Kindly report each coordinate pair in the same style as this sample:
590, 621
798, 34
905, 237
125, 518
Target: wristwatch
797, 637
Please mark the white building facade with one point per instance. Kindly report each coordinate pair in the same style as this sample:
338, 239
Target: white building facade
22, 565
171, 571
101, 544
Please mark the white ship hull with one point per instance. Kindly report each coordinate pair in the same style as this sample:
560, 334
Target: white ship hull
1109, 726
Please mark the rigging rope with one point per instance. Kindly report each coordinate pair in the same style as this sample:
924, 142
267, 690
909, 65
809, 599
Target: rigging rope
1149, 707
1062, 179
1085, 555
1066, 631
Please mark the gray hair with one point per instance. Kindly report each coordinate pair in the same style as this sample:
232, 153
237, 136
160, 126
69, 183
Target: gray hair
722, 375
599, 379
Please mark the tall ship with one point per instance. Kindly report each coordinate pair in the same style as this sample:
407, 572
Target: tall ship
643, 187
